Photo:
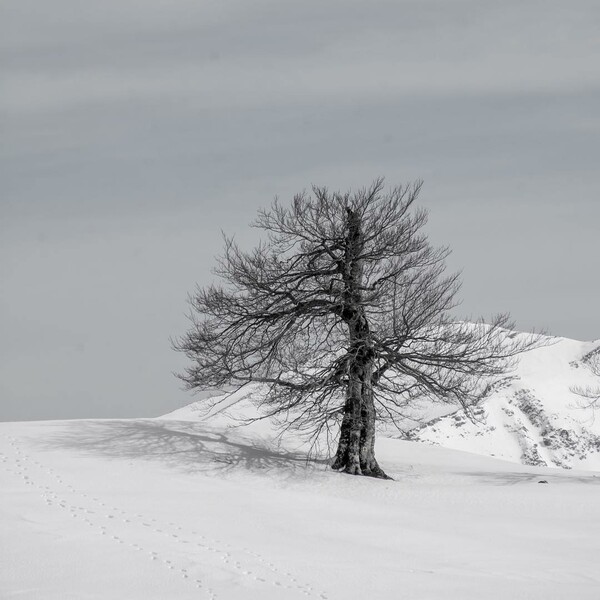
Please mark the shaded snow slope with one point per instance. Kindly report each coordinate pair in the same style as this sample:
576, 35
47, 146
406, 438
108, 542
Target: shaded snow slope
159, 509
533, 417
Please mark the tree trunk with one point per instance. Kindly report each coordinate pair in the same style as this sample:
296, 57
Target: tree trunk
356, 447
349, 445
368, 462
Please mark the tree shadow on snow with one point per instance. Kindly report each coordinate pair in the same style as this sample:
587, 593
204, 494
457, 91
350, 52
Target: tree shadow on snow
181, 444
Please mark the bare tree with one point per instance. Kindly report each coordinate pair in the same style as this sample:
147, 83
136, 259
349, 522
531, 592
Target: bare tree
590, 395
344, 313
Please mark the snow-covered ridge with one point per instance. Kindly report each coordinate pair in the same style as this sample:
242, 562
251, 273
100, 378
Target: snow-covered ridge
533, 417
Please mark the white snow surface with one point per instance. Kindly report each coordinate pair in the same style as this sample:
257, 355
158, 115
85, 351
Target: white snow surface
534, 417
189, 507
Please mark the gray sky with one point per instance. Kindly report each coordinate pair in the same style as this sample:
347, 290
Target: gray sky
133, 131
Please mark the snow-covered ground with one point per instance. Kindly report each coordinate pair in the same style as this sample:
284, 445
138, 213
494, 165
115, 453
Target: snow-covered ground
534, 417
185, 508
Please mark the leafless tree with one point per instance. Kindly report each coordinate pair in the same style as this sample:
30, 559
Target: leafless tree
344, 314
590, 395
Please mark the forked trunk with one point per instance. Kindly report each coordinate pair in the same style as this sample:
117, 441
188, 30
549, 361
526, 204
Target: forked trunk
349, 445
356, 447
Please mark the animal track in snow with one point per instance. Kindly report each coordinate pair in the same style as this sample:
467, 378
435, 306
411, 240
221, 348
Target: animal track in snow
139, 532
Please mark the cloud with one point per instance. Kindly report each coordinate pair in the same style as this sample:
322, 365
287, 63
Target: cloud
133, 131
301, 55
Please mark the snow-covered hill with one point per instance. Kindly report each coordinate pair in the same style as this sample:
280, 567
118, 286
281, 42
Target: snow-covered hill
171, 509
533, 417
194, 506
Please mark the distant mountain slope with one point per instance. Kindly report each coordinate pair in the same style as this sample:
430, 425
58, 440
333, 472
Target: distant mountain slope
533, 417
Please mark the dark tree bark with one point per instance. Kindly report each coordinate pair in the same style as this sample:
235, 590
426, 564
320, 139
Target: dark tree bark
343, 315
356, 446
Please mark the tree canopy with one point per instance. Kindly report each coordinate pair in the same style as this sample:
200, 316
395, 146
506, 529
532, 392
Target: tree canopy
345, 313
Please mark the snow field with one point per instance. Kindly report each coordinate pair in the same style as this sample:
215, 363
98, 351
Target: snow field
179, 509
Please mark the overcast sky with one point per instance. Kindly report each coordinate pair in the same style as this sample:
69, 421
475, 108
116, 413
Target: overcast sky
134, 131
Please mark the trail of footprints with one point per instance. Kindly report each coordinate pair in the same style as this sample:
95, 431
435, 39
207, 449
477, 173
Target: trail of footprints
134, 528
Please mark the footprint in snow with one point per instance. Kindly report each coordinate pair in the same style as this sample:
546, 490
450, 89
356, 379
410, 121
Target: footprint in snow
224, 555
